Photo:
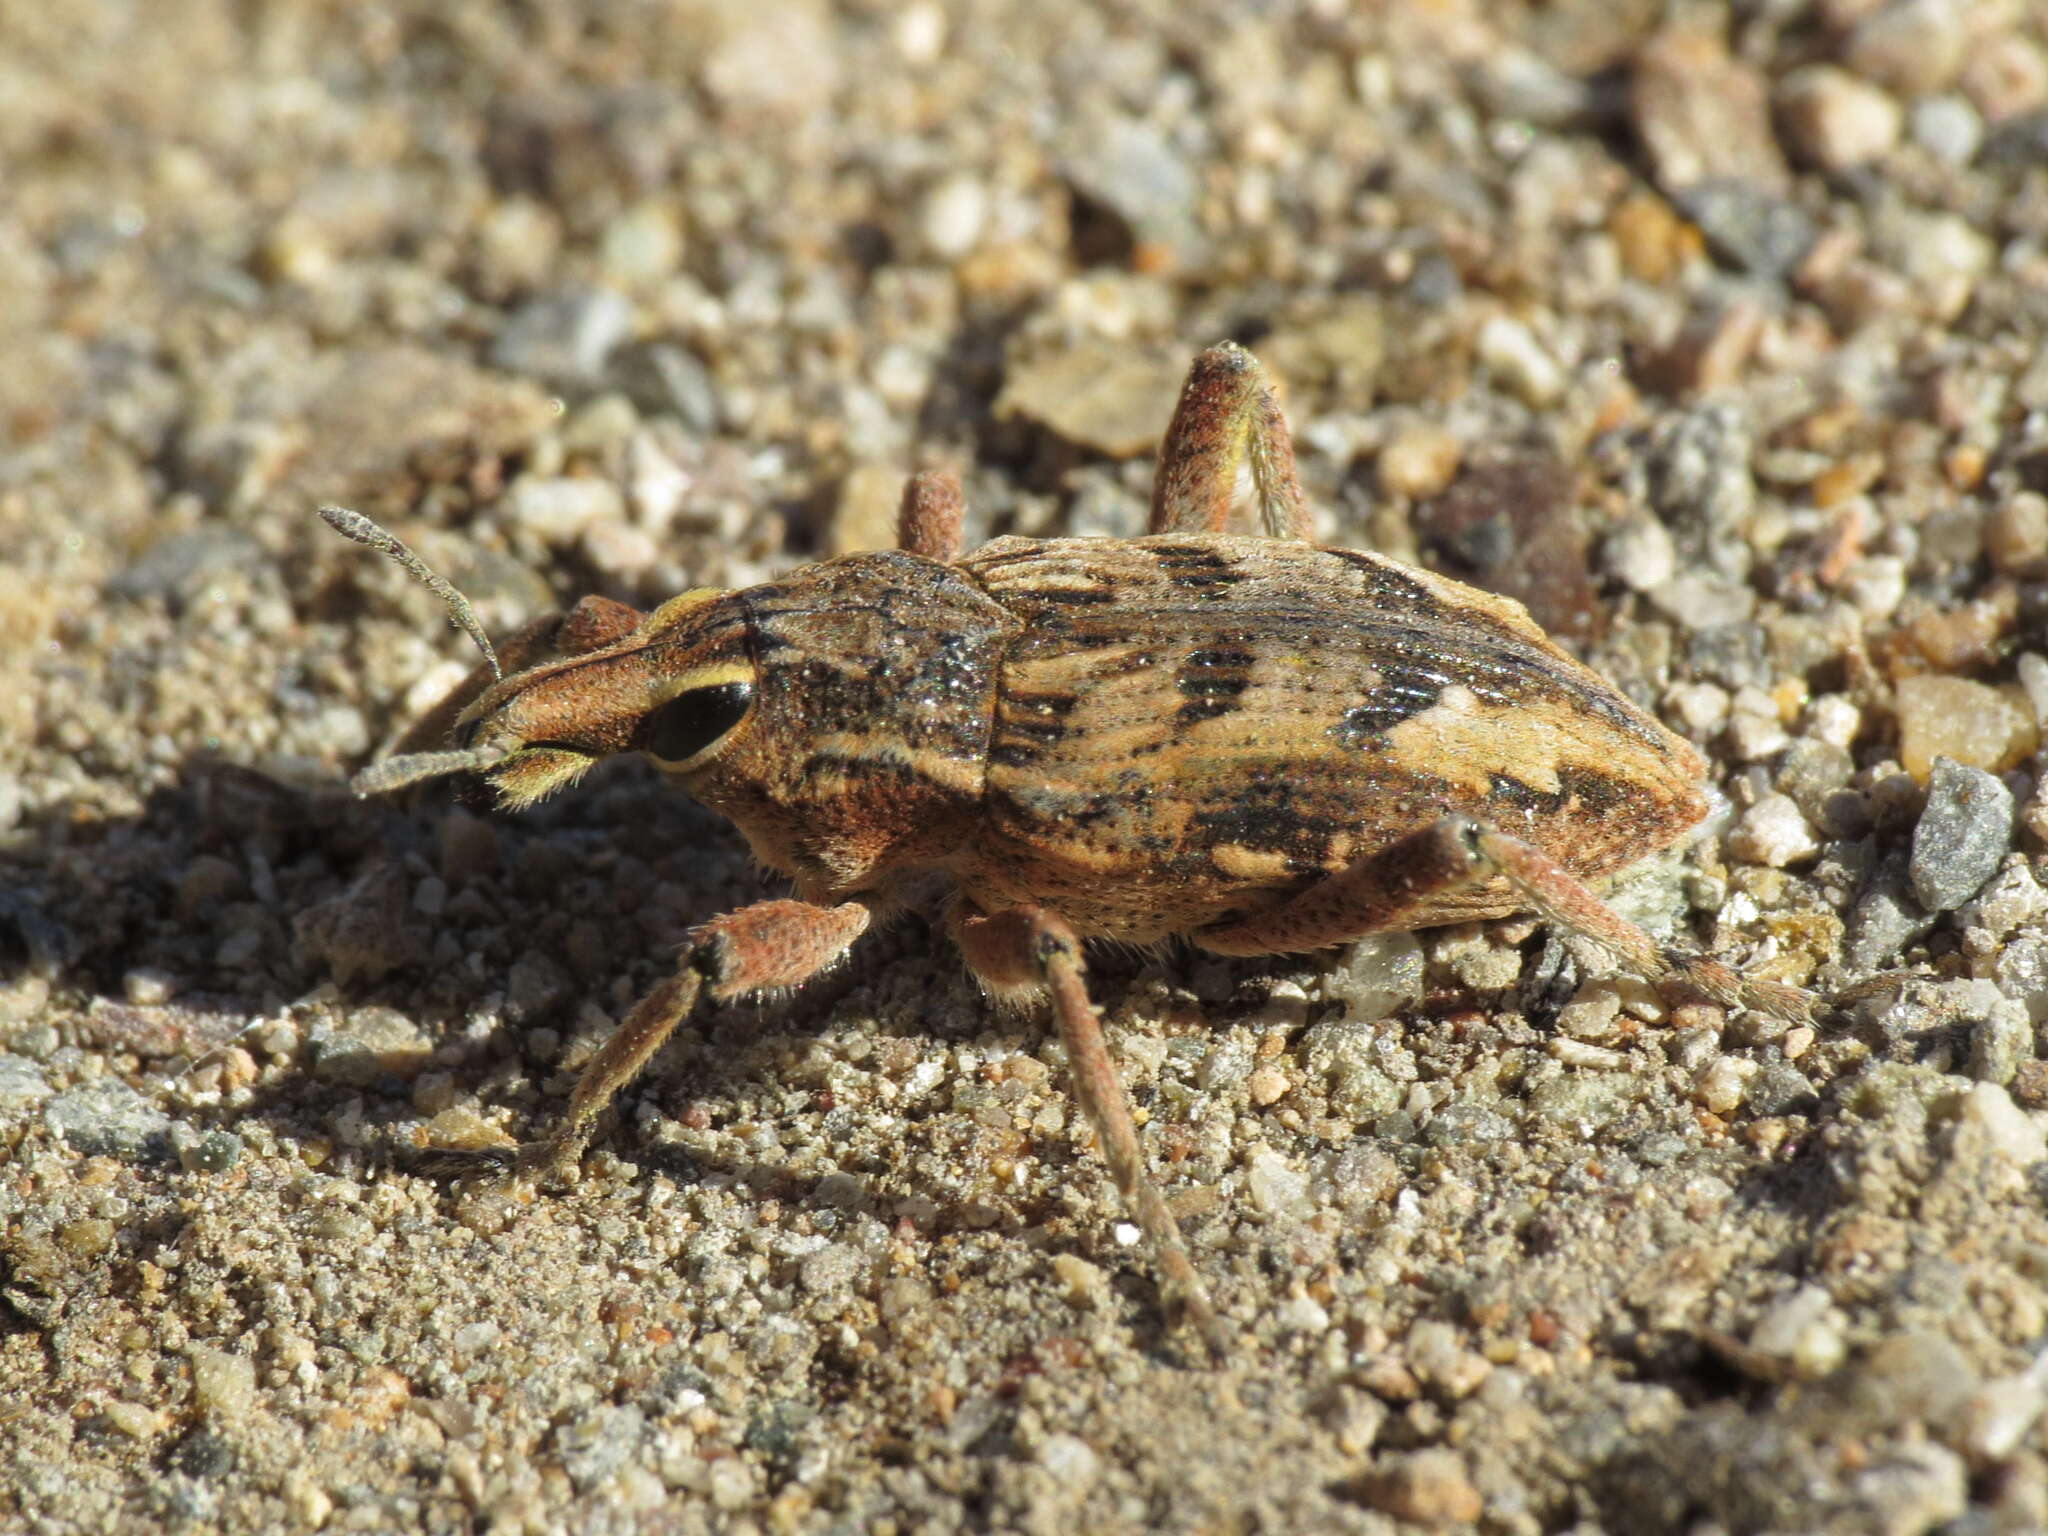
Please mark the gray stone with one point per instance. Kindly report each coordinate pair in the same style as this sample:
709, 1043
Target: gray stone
1129, 167
566, 336
1962, 837
357, 1049
1887, 918
599, 1443
1749, 226
22, 1083
205, 1151
109, 1119
663, 379
2000, 1041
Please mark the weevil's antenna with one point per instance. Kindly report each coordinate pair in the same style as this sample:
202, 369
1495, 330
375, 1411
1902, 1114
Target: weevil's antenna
414, 767
353, 525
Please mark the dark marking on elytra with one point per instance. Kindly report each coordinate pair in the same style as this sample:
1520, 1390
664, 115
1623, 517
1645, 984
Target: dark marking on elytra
1403, 695
1075, 596
1194, 567
1196, 710
1393, 588
1044, 733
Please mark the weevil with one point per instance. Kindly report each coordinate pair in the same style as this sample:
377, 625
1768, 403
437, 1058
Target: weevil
1219, 733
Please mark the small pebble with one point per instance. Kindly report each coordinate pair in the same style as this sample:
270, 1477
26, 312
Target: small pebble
1419, 461
1773, 832
565, 336
1519, 362
1962, 836
357, 1048
1834, 120
1303, 1315
223, 1384
1948, 128
558, 511
1268, 1085
1084, 1285
641, 245
1276, 1189
1719, 1085
111, 1119
1970, 722
1072, 1462
2016, 534
1997, 1417
1909, 46
1429, 1487
953, 214
1640, 552
149, 986
2005, 1129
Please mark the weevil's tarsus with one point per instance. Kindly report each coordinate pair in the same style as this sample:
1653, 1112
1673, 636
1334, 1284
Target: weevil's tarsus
1227, 425
1555, 893
353, 525
417, 767
1383, 889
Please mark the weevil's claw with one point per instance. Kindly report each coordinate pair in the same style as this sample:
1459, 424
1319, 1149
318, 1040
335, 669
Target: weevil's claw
1875, 986
461, 1162
1795, 1005
548, 1161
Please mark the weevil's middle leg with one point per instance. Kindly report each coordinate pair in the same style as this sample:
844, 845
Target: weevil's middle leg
1384, 890
929, 517
761, 948
1030, 948
1228, 421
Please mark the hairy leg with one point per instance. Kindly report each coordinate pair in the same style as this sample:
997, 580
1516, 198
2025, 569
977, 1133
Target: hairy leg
770, 945
1030, 949
928, 521
1384, 890
1228, 422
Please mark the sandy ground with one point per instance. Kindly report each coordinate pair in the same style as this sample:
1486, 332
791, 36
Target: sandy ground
1719, 340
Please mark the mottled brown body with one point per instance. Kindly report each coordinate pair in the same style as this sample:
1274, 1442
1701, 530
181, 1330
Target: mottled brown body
1191, 728
1248, 742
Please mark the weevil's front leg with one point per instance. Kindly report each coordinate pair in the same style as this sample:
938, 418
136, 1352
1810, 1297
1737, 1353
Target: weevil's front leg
928, 520
770, 945
1383, 890
1227, 422
1029, 949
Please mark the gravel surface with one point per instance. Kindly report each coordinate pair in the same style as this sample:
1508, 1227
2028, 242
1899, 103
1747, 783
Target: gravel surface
1719, 337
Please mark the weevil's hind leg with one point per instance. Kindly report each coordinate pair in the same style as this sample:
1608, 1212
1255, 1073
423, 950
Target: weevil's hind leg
928, 521
1029, 949
1228, 422
770, 945
1384, 890
593, 624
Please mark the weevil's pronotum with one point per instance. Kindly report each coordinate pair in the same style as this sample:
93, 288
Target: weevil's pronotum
1233, 738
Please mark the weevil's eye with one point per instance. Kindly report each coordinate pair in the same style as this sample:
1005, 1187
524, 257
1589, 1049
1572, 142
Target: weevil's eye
693, 720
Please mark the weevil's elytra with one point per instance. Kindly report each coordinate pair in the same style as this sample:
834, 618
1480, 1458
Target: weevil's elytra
1235, 739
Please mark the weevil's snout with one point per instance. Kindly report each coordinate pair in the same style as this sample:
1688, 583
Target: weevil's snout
677, 689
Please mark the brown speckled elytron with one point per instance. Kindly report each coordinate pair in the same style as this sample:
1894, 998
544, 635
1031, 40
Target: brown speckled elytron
1243, 741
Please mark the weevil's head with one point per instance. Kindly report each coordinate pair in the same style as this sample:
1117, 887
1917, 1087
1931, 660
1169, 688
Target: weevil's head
678, 687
